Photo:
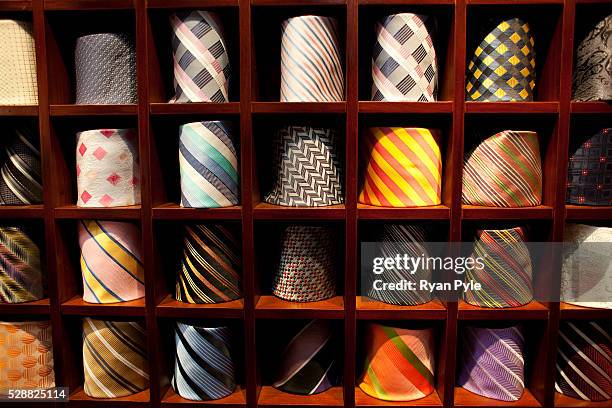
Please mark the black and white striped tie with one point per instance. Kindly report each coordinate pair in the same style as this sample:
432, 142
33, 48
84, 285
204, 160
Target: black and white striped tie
21, 177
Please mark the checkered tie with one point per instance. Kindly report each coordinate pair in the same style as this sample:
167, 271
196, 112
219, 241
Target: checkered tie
503, 66
592, 72
18, 83
404, 63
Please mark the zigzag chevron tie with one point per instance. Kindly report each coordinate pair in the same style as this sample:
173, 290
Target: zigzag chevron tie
201, 63
18, 82
203, 368
308, 364
402, 239
306, 271
592, 74
114, 358
404, 63
504, 170
584, 360
311, 60
503, 66
20, 270
399, 364
209, 165
404, 167
506, 276
307, 166
21, 176
210, 266
589, 173
493, 365
111, 261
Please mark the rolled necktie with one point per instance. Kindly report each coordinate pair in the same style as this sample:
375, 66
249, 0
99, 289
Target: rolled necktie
504, 170
111, 261
493, 364
306, 166
20, 269
21, 176
503, 68
26, 354
589, 174
105, 65
506, 277
203, 368
404, 167
308, 363
402, 239
306, 271
584, 360
201, 63
114, 358
108, 169
311, 60
208, 161
399, 364
404, 62
18, 81
592, 73
211, 267
586, 278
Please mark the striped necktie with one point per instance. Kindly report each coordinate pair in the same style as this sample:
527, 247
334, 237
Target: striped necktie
402, 239
201, 63
308, 363
404, 167
111, 261
203, 368
208, 162
399, 364
114, 358
21, 176
584, 360
592, 74
493, 364
504, 170
589, 174
306, 271
307, 168
404, 62
18, 82
505, 278
20, 270
210, 266
311, 60
503, 68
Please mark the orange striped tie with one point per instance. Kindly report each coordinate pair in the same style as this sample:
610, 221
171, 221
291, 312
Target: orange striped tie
404, 167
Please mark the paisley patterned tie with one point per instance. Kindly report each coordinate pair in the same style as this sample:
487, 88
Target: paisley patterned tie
404, 63
21, 175
20, 270
18, 82
504, 170
399, 363
503, 68
404, 167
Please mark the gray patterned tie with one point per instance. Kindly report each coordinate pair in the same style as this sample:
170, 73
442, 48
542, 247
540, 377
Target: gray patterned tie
593, 70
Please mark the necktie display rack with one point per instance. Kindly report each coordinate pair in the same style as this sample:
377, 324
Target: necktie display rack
252, 30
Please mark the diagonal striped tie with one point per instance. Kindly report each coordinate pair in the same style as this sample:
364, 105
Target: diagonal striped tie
201, 63
203, 368
404, 167
20, 270
504, 170
503, 66
399, 364
308, 363
506, 276
20, 176
114, 358
404, 62
493, 365
311, 60
584, 360
208, 162
111, 261
210, 265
